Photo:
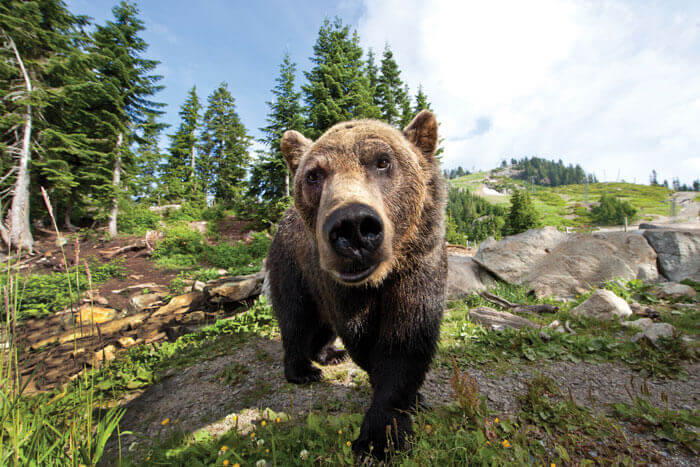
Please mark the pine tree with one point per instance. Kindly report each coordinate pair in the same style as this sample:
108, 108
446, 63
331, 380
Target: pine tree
42, 60
179, 170
337, 88
522, 215
405, 106
127, 75
390, 92
372, 73
146, 180
421, 101
269, 180
224, 150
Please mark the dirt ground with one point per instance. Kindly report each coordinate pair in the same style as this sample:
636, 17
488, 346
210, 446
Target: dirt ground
195, 398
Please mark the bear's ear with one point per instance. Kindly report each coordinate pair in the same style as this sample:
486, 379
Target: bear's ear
293, 145
423, 132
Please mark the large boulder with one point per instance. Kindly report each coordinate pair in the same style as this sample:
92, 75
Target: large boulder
465, 276
551, 262
603, 305
143, 301
513, 257
584, 261
678, 252
187, 302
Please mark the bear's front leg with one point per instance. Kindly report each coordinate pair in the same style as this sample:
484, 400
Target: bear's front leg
387, 423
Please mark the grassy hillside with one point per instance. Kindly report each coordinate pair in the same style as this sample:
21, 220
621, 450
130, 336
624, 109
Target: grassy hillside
564, 205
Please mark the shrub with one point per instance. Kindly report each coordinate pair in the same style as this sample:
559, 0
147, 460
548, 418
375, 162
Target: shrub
612, 211
239, 258
137, 220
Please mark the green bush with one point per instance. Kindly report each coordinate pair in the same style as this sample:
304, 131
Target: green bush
612, 211
522, 215
239, 258
137, 220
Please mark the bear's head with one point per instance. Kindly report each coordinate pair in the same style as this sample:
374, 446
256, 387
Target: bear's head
368, 194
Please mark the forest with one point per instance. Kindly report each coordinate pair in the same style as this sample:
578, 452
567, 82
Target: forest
80, 123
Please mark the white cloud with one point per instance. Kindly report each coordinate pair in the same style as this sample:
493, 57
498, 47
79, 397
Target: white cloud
611, 85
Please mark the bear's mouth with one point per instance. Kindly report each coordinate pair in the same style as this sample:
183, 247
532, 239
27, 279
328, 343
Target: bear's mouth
357, 276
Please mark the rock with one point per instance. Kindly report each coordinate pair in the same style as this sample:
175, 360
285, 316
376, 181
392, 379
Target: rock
187, 301
511, 258
554, 263
675, 290
654, 331
126, 342
151, 286
198, 226
641, 310
584, 261
164, 208
640, 324
82, 332
234, 289
199, 286
106, 354
498, 320
603, 305
140, 302
95, 314
193, 317
221, 272
678, 252
465, 276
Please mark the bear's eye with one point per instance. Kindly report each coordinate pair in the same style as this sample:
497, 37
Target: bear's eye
383, 163
313, 177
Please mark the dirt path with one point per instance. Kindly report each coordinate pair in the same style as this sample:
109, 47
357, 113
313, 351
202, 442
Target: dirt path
196, 397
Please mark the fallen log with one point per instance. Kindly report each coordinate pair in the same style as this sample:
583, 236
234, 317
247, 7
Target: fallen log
518, 307
109, 254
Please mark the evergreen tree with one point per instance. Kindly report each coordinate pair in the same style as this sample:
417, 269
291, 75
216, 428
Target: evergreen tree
406, 110
522, 215
390, 92
224, 150
338, 88
421, 101
372, 73
269, 180
179, 170
42, 63
612, 211
127, 75
146, 181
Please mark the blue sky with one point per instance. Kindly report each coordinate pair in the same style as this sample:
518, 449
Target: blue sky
610, 84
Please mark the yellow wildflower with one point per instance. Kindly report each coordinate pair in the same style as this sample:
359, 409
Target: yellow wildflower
349, 443
505, 443
165, 421
552, 465
340, 432
252, 435
278, 419
428, 428
495, 420
224, 448
263, 423
225, 461
267, 450
236, 465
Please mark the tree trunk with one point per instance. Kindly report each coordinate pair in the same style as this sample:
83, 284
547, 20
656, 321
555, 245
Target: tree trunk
116, 177
19, 235
286, 184
67, 215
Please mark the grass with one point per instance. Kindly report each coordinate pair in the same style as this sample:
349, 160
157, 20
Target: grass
58, 428
42, 294
184, 248
563, 206
595, 341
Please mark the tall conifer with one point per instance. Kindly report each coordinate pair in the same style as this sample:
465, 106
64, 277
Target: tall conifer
179, 170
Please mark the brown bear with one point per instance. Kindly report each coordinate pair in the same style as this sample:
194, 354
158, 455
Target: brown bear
361, 255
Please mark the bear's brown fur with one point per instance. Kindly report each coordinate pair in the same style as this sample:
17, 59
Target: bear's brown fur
361, 255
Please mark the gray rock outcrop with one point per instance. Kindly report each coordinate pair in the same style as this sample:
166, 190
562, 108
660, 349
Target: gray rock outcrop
498, 320
465, 276
678, 252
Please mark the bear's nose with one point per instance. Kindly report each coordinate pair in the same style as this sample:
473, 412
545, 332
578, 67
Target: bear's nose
354, 231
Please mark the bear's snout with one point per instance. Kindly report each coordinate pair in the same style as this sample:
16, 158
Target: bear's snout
355, 233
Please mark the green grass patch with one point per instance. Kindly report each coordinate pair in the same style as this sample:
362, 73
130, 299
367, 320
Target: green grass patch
43, 294
595, 341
